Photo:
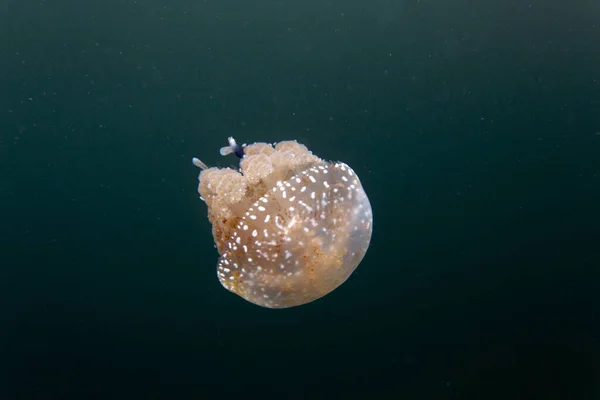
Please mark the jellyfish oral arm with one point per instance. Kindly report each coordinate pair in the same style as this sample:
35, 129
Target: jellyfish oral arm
199, 163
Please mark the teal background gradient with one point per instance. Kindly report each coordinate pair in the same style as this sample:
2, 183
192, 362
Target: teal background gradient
475, 130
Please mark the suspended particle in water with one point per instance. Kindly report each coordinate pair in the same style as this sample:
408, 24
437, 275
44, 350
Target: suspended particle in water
289, 226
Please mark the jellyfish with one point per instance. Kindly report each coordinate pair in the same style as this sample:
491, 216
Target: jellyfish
289, 226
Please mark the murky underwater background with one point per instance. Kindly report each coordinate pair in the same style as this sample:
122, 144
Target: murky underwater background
474, 127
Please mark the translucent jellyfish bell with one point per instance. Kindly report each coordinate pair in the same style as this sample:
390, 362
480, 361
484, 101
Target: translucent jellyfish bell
289, 226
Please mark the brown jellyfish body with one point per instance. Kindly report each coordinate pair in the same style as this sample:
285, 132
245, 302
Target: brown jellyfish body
289, 226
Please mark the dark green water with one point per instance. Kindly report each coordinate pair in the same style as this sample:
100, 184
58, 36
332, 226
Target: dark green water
475, 129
